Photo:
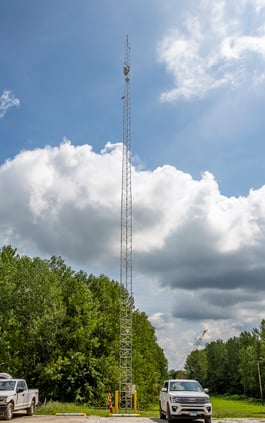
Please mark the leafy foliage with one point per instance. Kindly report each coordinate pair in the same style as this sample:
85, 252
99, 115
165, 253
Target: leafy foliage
235, 367
59, 329
197, 366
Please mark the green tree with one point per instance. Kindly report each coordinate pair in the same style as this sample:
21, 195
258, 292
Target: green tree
197, 366
73, 366
60, 330
32, 313
149, 362
248, 370
232, 366
217, 359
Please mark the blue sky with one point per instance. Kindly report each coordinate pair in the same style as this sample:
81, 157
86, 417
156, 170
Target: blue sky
62, 60
198, 93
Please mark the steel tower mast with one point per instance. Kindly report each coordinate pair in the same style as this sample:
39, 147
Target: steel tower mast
126, 298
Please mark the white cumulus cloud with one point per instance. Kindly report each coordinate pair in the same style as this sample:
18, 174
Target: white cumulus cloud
7, 100
198, 256
219, 44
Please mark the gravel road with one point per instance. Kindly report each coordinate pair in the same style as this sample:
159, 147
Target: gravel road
21, 418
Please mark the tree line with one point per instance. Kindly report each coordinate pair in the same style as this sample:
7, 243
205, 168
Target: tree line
59, 329
234, 367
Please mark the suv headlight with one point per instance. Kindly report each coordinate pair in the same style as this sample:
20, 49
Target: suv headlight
3, 399
174, 399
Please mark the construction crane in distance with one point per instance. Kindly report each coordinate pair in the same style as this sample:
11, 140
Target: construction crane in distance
198, 341
195, 346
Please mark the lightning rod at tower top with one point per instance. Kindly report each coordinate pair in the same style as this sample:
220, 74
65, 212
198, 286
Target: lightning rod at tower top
126, 298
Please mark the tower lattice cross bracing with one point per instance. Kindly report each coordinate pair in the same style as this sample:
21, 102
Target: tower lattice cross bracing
126, 298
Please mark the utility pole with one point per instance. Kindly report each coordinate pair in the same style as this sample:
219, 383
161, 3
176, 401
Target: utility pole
260, 383
126, 298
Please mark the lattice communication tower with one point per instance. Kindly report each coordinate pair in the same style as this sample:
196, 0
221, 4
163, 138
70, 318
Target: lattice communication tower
126, 298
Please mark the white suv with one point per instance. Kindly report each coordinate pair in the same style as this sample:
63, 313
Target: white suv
184, 399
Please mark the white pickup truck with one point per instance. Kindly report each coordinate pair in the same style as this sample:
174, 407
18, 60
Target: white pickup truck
14, 396
184, 399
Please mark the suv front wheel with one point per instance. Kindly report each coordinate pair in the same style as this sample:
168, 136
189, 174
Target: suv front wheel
162, 414
169, 417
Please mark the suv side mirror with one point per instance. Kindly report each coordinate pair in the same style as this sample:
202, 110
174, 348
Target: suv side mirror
164, 389
206, 390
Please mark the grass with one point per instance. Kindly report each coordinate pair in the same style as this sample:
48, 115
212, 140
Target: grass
235, 408
51, 408
54, 407
222, 408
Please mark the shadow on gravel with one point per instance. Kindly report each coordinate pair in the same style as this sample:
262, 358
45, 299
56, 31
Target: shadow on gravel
18, 416
158, 420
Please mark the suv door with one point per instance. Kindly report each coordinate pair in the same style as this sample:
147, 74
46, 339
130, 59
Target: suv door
163, 396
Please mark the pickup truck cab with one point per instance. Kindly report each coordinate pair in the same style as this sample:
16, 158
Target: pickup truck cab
184, 399
14, 396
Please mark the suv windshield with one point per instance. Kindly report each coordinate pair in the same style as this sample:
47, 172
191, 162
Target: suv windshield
7, 385
185, 386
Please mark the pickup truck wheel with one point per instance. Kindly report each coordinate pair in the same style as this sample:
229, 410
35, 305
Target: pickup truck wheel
9, 411
169, 417
31, 409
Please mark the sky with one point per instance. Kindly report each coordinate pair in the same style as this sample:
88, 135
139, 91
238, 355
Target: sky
198, 152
